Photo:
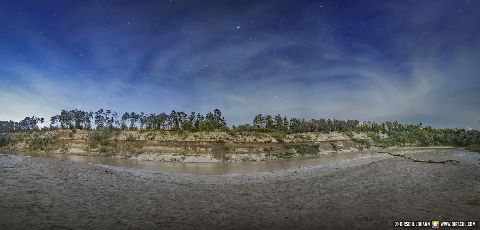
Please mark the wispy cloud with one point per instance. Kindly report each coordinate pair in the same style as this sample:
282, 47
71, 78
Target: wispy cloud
409, 63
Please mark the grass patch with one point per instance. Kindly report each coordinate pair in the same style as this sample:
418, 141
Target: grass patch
362, 143
475, 202
231, 133
253, 134
268, 149
284, 154
302, 137
349, 134
40, 143
303, 149
473, 148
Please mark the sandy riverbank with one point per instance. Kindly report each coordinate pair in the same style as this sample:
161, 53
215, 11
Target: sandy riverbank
362, 193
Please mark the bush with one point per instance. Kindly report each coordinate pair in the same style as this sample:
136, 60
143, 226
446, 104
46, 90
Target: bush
40, 143
349, 134
334, 146
130, 138
4, 140
374, 136
100, 137
279, 137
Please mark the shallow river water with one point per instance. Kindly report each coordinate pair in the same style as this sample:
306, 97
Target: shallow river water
213, 168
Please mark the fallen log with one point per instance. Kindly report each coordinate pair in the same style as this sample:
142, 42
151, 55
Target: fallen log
454, 162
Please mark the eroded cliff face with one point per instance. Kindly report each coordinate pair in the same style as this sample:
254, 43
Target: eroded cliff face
186, 146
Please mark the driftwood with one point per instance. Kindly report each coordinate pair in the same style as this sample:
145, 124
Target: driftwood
424, 161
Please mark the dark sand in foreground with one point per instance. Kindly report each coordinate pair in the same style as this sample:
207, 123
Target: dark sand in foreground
363, 193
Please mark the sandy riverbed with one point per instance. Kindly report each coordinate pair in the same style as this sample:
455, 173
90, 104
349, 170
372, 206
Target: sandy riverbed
363, 193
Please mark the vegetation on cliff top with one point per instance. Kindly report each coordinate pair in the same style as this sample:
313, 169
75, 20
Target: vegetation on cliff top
383, 134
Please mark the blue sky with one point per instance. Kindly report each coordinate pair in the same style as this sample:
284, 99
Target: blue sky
411, 61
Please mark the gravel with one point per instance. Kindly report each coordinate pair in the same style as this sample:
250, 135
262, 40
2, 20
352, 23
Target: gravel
362, 193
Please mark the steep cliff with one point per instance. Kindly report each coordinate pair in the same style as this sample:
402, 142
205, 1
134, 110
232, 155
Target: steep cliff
184, 146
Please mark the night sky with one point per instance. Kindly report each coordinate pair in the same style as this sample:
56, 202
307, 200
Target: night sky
411, 61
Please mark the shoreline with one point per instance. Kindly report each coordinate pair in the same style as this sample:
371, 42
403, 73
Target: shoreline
328, 166
208, 158
212, 168
361, 193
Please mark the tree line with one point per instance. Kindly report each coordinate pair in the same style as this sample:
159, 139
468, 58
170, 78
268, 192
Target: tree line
27, 124
397, 133
279, 123
78, 119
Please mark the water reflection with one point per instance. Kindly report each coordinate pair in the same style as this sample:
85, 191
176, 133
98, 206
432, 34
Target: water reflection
213, 168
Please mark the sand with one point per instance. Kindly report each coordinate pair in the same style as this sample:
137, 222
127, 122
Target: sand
362, 193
